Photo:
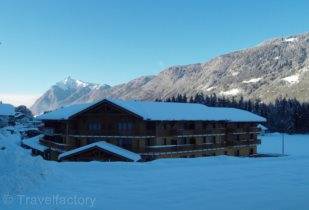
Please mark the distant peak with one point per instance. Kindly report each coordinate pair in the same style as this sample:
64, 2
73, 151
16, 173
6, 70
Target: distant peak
71, 83
68, 78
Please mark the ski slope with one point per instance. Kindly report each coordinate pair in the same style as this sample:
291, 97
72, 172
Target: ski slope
200, 183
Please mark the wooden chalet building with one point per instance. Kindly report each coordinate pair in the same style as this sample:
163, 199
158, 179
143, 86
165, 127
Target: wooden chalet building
117, 130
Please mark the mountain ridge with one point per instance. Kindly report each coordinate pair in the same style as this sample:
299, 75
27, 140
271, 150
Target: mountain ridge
277, 67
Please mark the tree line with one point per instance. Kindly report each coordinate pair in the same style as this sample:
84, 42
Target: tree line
284, 115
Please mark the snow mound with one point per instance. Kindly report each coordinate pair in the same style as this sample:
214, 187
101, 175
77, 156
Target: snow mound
19, 170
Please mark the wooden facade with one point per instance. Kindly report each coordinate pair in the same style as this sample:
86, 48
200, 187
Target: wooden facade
151, 139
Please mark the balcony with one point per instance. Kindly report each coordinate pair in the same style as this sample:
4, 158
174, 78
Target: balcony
190, 147
185, 132
111, 133
56, 145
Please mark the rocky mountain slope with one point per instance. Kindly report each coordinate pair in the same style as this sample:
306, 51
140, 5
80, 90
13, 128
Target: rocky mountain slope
274, 68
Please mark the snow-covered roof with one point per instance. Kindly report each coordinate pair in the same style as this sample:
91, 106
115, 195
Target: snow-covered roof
262, 127
7, 109
64, 113
34, 143
164, 111
185, 111
104, 146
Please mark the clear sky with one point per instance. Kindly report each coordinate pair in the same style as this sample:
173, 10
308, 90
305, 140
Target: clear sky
111, 42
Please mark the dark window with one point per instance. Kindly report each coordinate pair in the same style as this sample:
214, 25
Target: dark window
150, 125
251, 151
237, 153
204, 139
183, 141
129, 126
165, 126
125, 143
94, 126
174, 142
251, 136
214, 139
238, 125
238, 137
125, 126
165, 141
214, 154
225, 152
191, 126
192, 141
214, 125
204, 125
150, 142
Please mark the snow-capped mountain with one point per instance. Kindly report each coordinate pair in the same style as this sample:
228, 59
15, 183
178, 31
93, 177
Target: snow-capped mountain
274, 68
67, 91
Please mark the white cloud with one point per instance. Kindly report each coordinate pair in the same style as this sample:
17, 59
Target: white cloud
18, 99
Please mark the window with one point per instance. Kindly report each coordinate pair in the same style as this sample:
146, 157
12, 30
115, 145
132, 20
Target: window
191, 126
183, 141
238, 137
225, 152
94, 126
125, 126
164, 126
129, 126
251, 136
174, 142
251, 151
214, 125
192, 141
204, 125
125, 143
164, 141
214, 139
204, 139
149, 142
150, 125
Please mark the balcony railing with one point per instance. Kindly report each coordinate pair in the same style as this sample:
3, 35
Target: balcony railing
56, 145
111, 133
189, 147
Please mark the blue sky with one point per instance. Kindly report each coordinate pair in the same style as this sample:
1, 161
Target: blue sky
43, 41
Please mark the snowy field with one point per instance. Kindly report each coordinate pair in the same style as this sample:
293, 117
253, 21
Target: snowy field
201, 183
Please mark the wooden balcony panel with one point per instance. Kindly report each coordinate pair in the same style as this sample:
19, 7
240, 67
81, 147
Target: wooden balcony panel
56, 145
109, 133
189, 147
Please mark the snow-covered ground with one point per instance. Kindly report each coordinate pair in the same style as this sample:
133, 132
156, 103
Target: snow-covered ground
200, 183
